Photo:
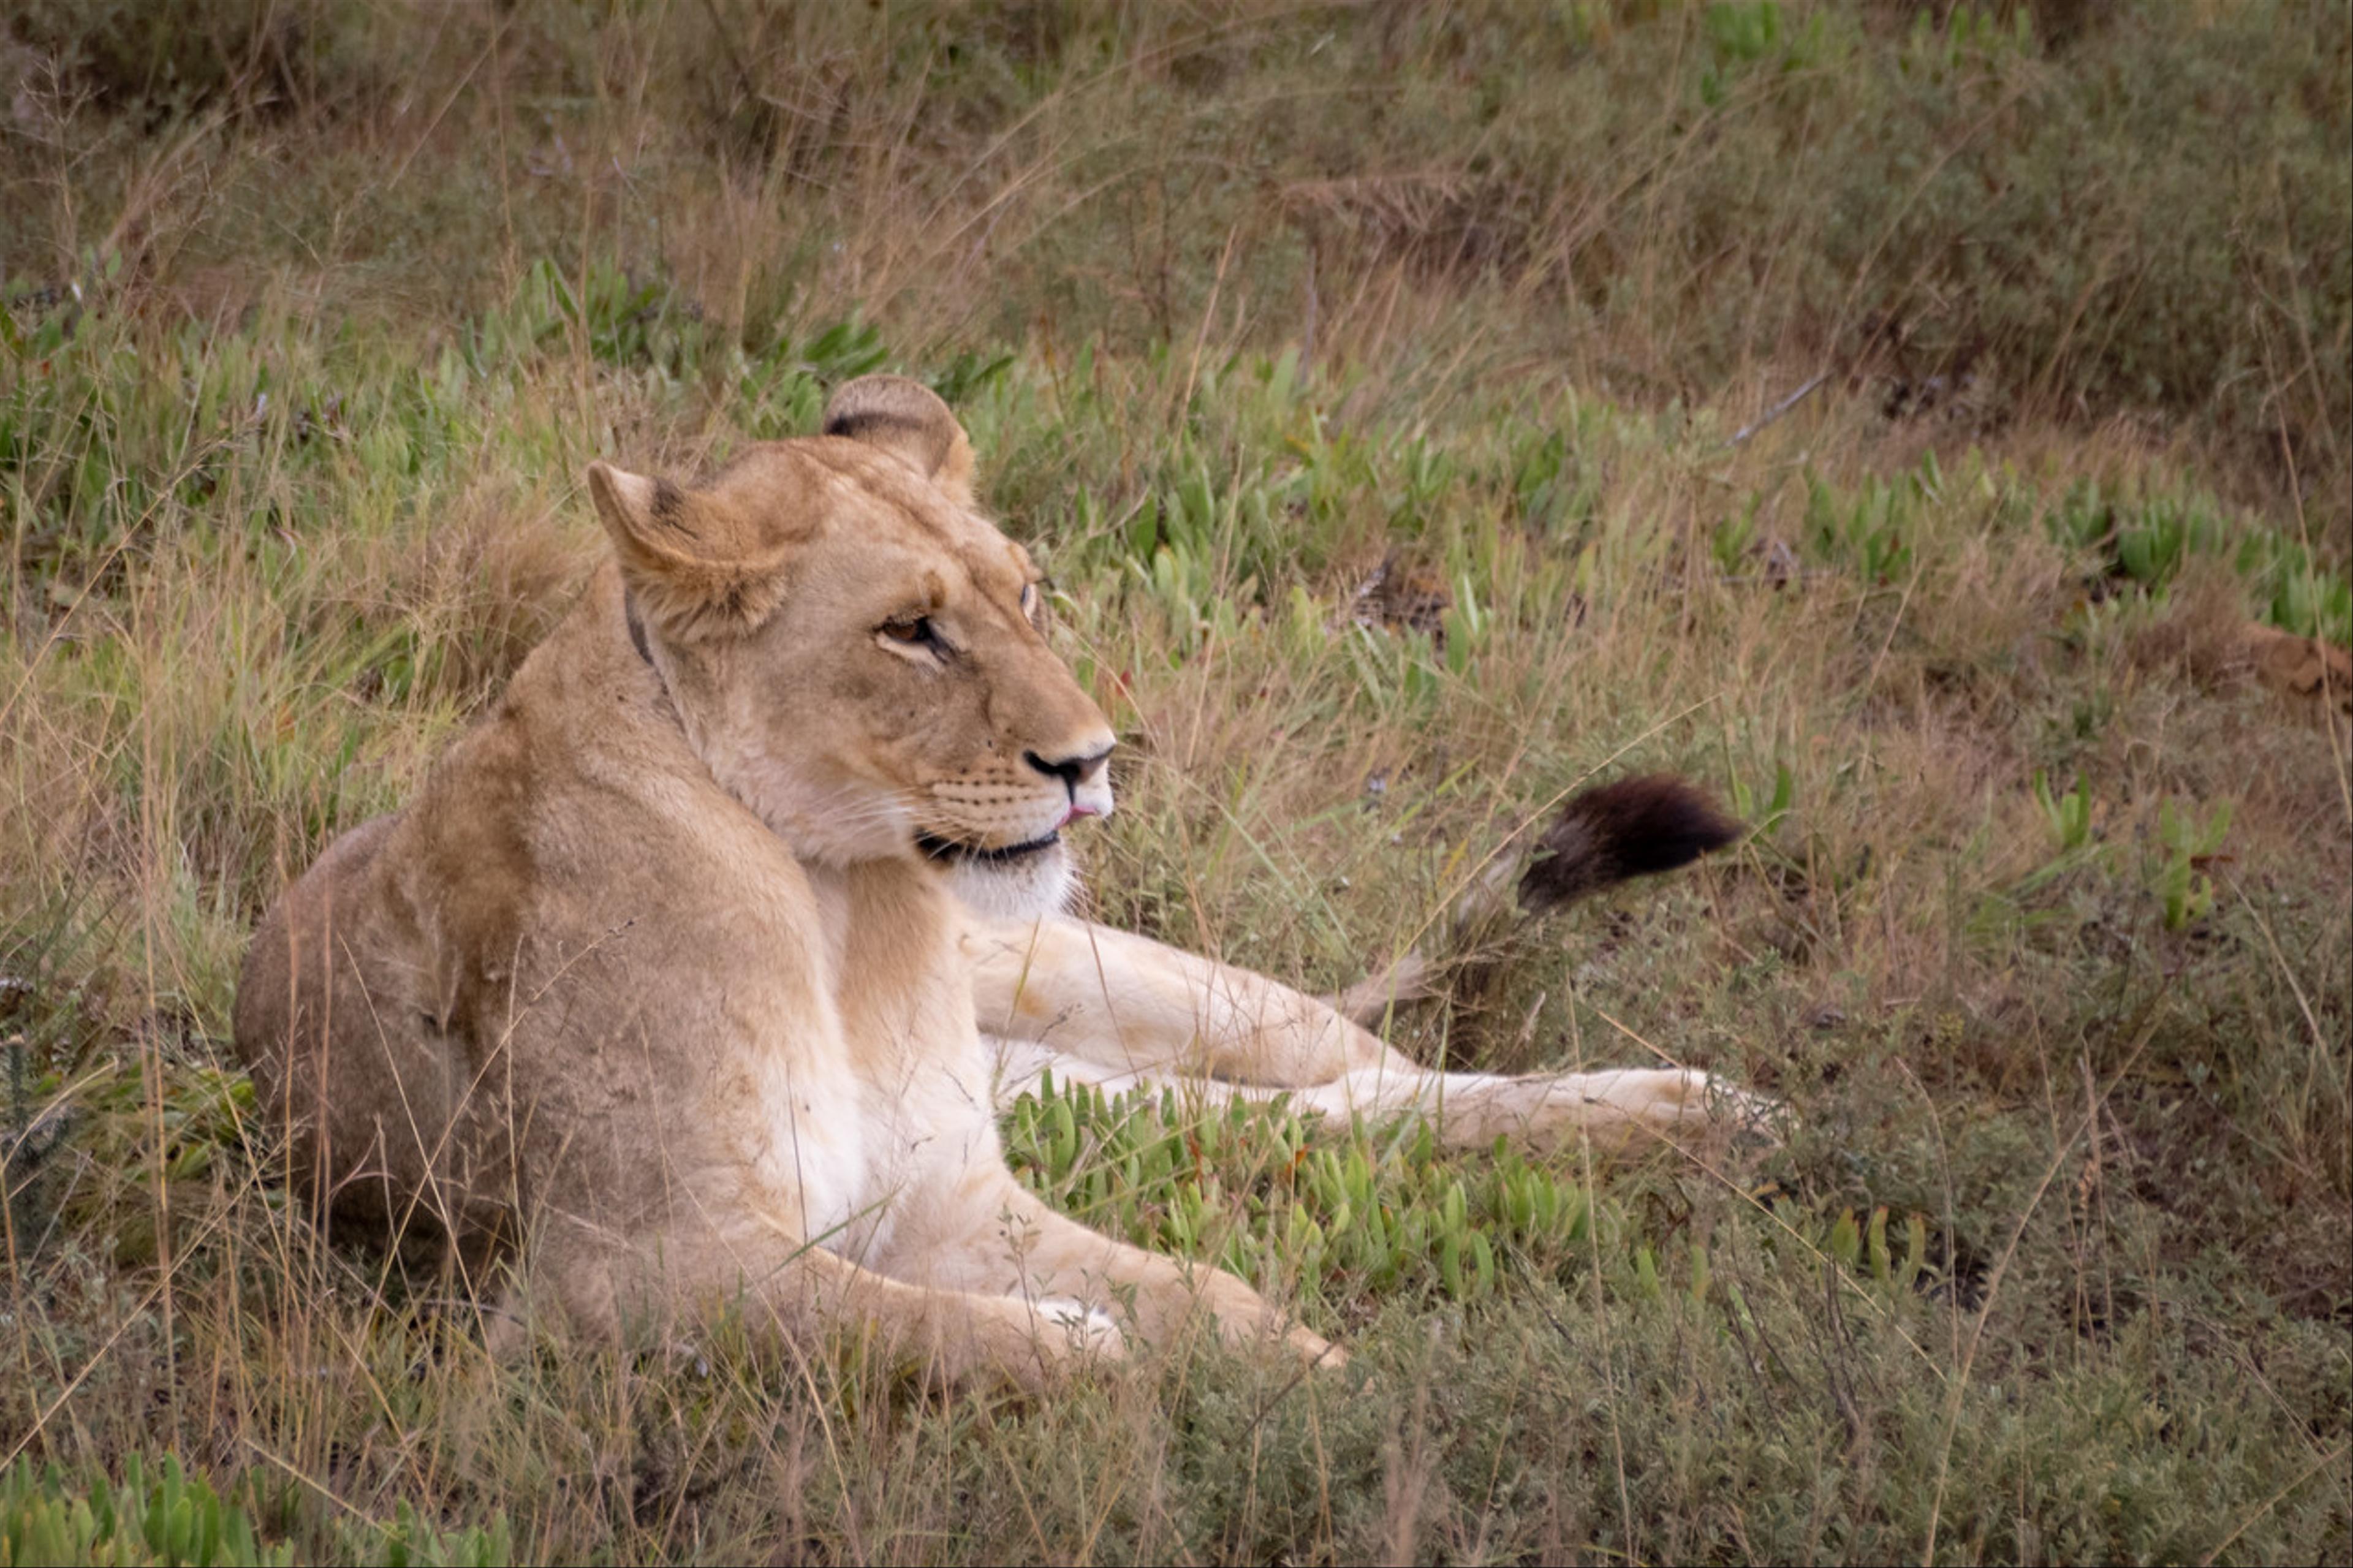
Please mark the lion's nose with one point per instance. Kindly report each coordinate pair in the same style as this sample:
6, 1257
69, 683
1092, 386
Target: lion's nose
1082, 774
1073, 770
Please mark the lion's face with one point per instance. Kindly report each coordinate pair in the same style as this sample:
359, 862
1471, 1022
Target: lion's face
859, 656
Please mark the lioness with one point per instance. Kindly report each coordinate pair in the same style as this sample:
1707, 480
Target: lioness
666, 980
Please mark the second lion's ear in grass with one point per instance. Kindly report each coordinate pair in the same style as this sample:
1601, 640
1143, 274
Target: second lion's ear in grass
2308, 669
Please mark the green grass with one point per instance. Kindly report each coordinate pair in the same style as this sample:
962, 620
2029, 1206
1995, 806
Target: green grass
312, 322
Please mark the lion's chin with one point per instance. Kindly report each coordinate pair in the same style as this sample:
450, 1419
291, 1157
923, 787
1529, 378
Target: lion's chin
1018, 886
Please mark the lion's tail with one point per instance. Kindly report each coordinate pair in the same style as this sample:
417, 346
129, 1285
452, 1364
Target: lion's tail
1604, 836
1615, 832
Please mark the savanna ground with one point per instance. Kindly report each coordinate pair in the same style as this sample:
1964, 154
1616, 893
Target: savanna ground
1391, 391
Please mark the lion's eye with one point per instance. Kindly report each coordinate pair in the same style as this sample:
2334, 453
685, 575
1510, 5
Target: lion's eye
915, 631
1029, 598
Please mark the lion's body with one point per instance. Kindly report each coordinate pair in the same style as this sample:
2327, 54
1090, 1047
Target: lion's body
574, 980
659, 985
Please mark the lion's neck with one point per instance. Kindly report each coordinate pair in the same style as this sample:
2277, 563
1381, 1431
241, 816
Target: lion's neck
891, 931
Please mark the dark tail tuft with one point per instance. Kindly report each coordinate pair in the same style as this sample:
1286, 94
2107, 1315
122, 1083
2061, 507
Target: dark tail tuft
1614, 831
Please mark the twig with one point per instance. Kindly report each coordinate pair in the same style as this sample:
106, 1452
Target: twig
1773, 415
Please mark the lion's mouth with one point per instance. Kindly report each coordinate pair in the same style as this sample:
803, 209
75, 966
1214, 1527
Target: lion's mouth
937, 848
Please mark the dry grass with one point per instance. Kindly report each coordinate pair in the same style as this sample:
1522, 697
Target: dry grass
1238, 308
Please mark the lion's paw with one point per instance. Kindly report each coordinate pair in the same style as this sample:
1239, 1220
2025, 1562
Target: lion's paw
1086, 1330
1318, 1352
1681, 1105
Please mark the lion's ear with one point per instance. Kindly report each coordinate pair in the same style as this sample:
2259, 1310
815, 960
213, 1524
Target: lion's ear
906, 419
697, 568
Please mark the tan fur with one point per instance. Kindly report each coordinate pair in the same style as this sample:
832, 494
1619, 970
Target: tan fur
1104, 1007
2309, 667
652, 981
1095, 1006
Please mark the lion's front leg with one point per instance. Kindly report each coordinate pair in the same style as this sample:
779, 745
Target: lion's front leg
1122, 1012
1001, 1239
694, 1274
1616, 1111
1128, 1005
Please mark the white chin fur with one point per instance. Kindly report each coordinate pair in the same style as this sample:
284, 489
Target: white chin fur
1035, 884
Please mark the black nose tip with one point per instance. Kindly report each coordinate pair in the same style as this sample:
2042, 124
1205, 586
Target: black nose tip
1073, 771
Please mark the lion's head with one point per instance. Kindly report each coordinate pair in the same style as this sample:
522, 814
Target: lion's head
858, 656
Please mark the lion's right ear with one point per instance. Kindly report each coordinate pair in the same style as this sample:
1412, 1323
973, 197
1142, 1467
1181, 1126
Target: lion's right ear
906, 419
697, 568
